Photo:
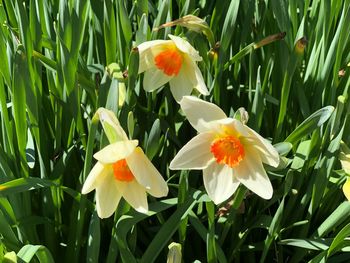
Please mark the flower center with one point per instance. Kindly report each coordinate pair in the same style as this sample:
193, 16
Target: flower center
122, 172
169, 61
228, 150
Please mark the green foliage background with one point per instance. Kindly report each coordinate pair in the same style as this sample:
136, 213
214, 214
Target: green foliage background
56, 71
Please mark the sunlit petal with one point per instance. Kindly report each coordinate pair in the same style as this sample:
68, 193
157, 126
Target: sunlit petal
219, 182
344, 157
148, 50
200, 112
180, 85
346, 189
251, 173
116, 151
185, 47
92, 181
198, 81
146, 174
154, 79
195, 154
111, 125
135, 195
268, 153
107, 196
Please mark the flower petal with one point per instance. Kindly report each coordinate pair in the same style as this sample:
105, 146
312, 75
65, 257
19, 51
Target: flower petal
188, 78
186, 47
180, 85
92, 181
195, 154
146, 174
344, 157
198, 81
219, 182
268, 153
154, 79
116, 151
148, 50
346, 189
107, 196
251, 173
111, 125
200, 112
134, 194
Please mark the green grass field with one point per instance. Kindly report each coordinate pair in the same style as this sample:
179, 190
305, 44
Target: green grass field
286, 62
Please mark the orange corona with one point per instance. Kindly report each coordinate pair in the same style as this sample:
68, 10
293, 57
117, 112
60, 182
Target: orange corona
228, 150
169, 61
122, 171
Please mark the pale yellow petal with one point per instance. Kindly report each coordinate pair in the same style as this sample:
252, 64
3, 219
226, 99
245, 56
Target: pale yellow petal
111, 125
116, 151
346, 189
180, 85
251, 173
198, 81
185, 47
154, 79
268, 153
200, 112
107, 196
219, 182
135, 195
96, 173
195, 154
146, 174
344, 157
148, 50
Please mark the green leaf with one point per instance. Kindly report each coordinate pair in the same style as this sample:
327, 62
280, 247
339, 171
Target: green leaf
28, 251
152, 145
94, 241
317, 119
24, 184
338, 216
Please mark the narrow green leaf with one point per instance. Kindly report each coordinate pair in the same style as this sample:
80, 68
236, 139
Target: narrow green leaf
310, 124
28, 251
152, 145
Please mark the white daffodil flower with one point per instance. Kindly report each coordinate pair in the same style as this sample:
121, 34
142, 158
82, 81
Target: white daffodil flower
228, 152
122, 170
172, 61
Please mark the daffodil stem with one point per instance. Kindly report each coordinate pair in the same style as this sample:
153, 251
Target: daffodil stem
239, 196
211, 248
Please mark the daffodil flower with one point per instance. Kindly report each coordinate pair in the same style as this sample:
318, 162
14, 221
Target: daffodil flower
228, 152
122, 170
172, 61
344, 157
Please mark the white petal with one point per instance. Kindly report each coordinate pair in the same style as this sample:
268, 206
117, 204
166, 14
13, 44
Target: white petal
155, 78
198, 81
135, 195
185, 47
111, 125
92, 180
219, 182
180, 85
107, 196
195, 154
200, 112
116, 151
268, 153
148, 50
251, 173
146, 174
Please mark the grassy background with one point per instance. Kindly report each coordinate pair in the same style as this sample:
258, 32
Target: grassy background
56, 70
